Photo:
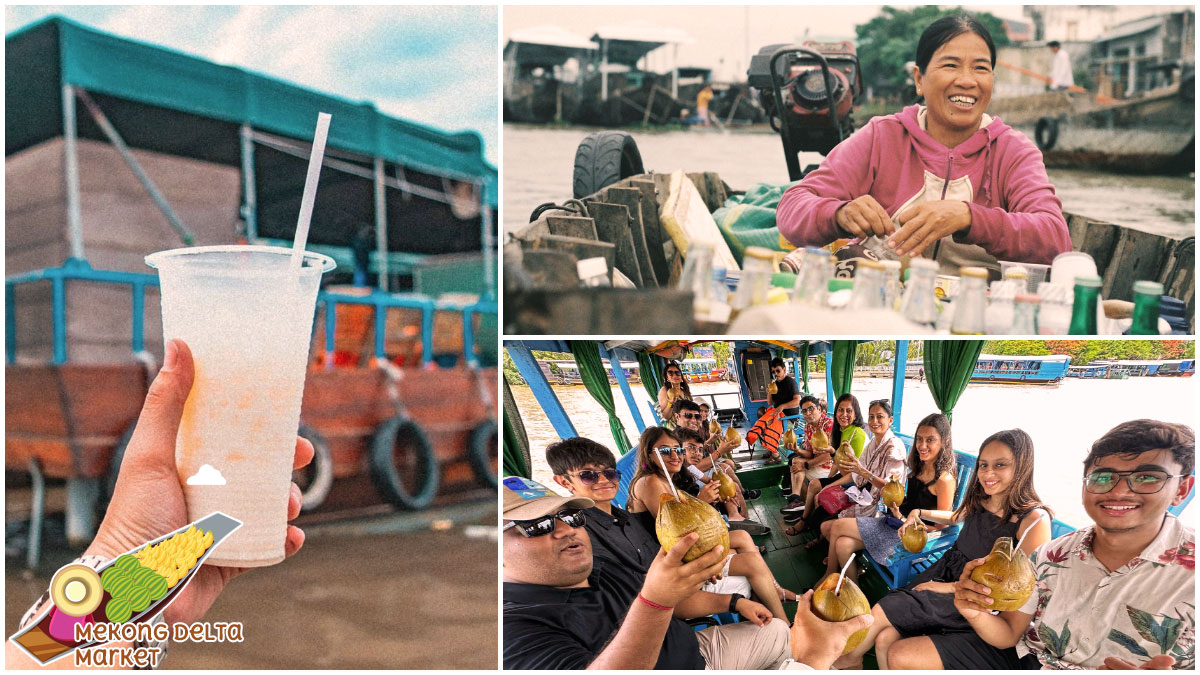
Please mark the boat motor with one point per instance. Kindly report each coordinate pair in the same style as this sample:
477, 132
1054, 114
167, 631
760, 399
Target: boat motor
808, 93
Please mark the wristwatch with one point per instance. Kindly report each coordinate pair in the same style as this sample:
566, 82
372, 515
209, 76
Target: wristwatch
733, 601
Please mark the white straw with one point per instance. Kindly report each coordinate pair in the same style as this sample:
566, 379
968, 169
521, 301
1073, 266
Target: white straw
1016, 548
310, 188
838, 589
667, 474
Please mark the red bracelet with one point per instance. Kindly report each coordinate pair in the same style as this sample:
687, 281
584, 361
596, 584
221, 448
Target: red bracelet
653, 605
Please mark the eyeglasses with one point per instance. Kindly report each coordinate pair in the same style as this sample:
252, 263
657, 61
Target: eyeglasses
882, 400
692, 446
668, 450
545, 525
691, 415
1141, 482
589, 477
808, 409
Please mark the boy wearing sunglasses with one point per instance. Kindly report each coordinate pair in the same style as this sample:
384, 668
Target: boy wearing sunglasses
1119, 594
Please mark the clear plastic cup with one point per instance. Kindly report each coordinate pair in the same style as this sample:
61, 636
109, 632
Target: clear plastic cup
247, 317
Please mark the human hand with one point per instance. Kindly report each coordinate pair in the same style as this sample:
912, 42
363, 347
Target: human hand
924, 224
821, 459
148, 498
935, 586
726, 447
908, 521
971, 598
670, 580
753, 612
710, 492
864, 217
818, 643
851, 465
1160, 662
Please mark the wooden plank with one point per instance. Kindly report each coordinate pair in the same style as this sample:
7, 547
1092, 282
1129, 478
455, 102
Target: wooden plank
612, 226
1137, 256
582, 249
572, 226
1096, 239
631, 198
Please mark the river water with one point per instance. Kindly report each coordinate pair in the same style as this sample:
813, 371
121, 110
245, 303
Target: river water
1063, 421
538, 162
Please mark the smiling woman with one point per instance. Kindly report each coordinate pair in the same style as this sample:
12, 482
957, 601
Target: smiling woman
943, 180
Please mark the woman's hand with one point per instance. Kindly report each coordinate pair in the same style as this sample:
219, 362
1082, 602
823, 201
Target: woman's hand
971, 598
864, 217
710, 493
924, 224
852, 465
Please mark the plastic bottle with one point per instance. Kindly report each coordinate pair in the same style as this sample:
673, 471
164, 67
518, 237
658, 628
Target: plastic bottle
813, 281
1025, 308
891, 284
1083, 312
868, 286
970, 302
758, 264
1054, 316
1147, 296
919, 304
697, 278
998, 319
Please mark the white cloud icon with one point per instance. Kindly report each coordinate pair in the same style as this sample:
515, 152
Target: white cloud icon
207, 475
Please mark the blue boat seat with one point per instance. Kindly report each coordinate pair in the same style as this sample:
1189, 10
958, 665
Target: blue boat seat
627, 465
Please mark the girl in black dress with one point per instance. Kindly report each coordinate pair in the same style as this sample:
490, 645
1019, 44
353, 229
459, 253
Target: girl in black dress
913, 624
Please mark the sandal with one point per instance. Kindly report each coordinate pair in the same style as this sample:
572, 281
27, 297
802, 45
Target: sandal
794, 531
814, 543
784, 594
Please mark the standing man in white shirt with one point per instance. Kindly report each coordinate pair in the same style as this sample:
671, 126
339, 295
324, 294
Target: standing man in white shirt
1061, 78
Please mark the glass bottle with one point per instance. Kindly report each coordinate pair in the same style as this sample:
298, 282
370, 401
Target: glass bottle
1025, 308
1054, 316
813, 281
891, 284
1018, 278
919, 304
1083, 312
970, 302
868, 286
758, 264
697, 278
1147, 295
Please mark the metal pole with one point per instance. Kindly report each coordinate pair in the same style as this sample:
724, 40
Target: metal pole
489, 263
830, 401
10, 323
249, 196
71, 173
675, 66
618, 372
898, 382
381, 238
119, 143
603, 70
536, 379
33, 553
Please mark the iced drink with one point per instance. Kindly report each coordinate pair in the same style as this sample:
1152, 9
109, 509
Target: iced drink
247, 317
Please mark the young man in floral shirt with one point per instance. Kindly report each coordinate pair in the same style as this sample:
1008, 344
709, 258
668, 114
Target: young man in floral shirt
1119, 594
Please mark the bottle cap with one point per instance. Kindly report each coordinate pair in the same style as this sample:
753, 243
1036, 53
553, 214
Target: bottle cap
1148, 287
977, 272
868, 264
1016, 272
1088, 282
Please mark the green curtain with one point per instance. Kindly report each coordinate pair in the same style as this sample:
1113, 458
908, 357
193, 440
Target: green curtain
651, 370
516, 443
841, 366
591, 371
804, 366
948, 368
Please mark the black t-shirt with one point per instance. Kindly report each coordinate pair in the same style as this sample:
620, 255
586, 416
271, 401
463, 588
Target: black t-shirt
621, 537
566, 628
787, 392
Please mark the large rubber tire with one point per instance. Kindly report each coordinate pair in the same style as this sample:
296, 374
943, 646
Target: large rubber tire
482, 451
1045, 134
316, 479
602, 159
417, 464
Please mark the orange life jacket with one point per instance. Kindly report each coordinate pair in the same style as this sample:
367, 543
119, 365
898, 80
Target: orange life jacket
767, 430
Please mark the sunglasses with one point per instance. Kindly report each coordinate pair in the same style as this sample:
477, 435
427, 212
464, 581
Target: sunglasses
882, 400
691, 415
667, 450
589, 477
674, 372
545, 525
1141, 482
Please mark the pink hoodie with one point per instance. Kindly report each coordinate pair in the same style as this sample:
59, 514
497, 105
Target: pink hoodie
1015, 215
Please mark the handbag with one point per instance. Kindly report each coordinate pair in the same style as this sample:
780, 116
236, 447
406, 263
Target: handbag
833, 499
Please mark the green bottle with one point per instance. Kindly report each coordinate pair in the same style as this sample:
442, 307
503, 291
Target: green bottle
1146, 297
1083, 314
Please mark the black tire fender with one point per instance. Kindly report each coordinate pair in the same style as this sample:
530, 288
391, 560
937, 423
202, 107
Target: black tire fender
1045, 134
481, 449
388, 478
603, 158
319, 472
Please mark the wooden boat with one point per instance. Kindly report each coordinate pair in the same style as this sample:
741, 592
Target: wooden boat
538, 86
36, 640
1021, 370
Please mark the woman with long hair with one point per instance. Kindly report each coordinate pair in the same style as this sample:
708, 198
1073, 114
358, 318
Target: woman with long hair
675, 388
650, 482
913, 624
849, 426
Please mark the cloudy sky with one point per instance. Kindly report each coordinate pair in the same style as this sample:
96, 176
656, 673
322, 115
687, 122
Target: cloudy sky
723, 36
435, 65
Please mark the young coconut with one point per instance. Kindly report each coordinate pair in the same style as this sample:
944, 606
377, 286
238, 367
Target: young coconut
714, 427
679, 516
732, 436
914, 537
845, 452
772, 388
820, 440
727, 487
893, 492
789, 438
1008, 573
832, 603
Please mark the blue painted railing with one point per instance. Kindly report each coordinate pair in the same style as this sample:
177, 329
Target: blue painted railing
77, 270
